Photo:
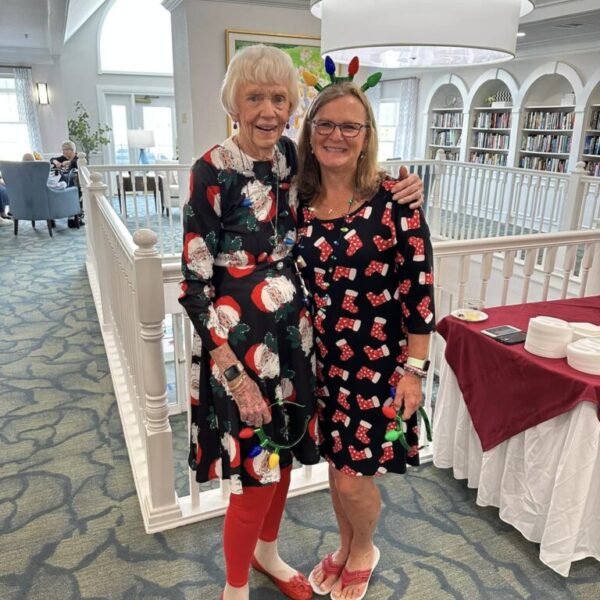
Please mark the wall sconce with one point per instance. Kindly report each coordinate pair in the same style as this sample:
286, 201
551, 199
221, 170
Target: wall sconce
42, 89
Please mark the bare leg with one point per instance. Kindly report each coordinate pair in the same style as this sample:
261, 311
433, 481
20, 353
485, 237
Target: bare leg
361, 502
345, 529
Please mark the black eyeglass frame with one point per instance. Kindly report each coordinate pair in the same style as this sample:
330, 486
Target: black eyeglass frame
316, 123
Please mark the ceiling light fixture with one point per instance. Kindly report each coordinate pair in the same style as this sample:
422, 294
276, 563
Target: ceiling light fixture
316, 7
427, 33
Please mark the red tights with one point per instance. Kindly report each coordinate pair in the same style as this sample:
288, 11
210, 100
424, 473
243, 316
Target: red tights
255, 514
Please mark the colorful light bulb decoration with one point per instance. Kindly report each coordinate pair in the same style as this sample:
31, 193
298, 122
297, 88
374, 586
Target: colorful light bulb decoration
266, 443
330, 68
399, 432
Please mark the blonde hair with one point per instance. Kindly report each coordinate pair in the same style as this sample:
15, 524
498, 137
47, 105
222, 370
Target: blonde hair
264, 65
368, 174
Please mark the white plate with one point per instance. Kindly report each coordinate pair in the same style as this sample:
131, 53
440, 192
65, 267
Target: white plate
469, 314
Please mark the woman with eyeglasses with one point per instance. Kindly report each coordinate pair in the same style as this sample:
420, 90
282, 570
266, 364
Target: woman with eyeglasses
367, 263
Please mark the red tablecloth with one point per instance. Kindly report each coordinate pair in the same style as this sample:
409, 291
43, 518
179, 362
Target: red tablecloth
507, 389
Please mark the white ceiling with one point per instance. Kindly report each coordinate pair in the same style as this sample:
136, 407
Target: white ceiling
32, 31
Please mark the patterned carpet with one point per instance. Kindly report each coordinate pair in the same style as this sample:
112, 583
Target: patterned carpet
69, 517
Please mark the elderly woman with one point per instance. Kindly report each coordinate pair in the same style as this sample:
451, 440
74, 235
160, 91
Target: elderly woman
253, 350
65, 164
368, 264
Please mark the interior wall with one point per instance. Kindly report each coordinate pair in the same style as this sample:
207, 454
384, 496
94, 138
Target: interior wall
75, 77
204, 63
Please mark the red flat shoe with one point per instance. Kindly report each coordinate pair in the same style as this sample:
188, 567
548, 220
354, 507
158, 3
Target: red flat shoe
296, 588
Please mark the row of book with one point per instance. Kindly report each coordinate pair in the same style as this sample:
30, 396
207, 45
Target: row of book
537, 119
592, 144
540, 163
446, 138
593, 167
488, 158
484, 139
547, 143
450, 119
595, 120
494, 120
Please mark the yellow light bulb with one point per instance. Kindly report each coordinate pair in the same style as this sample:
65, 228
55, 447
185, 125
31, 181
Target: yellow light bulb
273, 460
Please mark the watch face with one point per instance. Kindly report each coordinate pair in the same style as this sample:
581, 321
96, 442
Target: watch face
230, 373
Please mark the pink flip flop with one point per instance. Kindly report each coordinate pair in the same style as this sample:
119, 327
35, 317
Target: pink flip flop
329, 569
357, 577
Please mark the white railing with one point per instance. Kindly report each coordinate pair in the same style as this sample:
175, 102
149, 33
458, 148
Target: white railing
135, 288
464, 200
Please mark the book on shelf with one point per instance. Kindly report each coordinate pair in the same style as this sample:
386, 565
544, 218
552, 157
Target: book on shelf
542, 163
538, 119
593, 167
591, 144
547, 143
488, 158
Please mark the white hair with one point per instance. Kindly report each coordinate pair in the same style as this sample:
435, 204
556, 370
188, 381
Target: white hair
264, 65
69, 144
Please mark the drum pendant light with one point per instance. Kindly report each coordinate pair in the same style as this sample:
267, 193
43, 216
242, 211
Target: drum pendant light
419, 33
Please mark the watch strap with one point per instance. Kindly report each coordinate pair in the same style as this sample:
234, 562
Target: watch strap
418, 363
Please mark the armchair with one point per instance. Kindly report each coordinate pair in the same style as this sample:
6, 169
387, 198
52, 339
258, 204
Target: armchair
30, 197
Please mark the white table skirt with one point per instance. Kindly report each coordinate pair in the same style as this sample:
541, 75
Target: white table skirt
545, 480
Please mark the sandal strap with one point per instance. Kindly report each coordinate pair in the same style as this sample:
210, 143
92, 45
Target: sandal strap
355, 577
329, 568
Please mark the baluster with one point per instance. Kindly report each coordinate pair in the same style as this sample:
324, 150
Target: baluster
528, 266
507, 272
486, 272
549, 262
568, 264
463, 277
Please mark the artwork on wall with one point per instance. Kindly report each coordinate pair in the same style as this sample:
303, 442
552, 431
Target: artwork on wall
305, 52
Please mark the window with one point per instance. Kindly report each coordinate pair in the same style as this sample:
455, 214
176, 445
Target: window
136, 38
14, 135
387, 125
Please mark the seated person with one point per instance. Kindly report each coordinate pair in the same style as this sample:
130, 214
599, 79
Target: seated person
28, 156
66, 164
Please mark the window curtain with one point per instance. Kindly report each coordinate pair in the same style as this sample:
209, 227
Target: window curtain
404, 92
26, 106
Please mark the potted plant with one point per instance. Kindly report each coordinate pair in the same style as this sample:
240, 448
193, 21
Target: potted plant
81, 132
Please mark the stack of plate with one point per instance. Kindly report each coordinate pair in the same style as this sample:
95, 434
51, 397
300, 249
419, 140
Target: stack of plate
584, 330
548, 337
584, 355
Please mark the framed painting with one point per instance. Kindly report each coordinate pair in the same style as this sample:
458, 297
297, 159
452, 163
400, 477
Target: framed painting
305, 52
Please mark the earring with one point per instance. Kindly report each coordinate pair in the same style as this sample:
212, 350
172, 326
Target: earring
287, 125
235, 124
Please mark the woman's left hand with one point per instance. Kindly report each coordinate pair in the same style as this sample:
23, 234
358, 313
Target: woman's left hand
409, 393
409, 188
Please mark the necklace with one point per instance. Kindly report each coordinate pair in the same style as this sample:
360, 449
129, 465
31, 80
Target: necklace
276, 240
322, 302
332, 208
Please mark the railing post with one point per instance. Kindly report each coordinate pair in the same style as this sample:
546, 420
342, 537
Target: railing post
161, 502
435, 199
593, 284
573, 209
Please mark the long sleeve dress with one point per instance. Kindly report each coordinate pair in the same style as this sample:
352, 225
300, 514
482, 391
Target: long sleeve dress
240, 287
370, 276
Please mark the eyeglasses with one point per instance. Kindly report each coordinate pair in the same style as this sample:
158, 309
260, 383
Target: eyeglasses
348, 130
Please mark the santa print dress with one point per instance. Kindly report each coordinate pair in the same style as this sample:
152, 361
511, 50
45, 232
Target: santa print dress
370, 275
241, 288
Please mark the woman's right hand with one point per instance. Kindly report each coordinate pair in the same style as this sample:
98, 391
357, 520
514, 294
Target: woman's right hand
250, 402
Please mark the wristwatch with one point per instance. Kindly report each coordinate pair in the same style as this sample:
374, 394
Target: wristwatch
418, 363
235, 370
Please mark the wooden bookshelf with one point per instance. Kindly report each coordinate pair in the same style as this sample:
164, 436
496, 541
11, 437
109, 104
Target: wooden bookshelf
490, 135
591, 142
445, 131
546, 137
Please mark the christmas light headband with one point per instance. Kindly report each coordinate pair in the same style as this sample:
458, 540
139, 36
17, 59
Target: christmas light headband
330, 67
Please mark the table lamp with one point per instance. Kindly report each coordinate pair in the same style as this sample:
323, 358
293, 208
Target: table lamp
142, 139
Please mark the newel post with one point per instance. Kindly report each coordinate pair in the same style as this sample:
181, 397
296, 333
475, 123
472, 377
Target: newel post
572, 212
161, 502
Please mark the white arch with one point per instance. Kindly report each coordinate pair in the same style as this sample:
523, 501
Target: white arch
590, 86
444, 80
493, 74
141, 48
552, 68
